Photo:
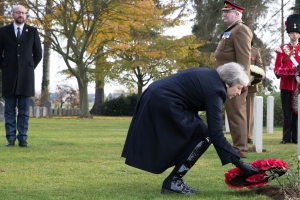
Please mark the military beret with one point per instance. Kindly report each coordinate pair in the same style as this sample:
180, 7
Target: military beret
228, 5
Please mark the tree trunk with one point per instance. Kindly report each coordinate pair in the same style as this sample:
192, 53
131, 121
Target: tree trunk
140, 89
99, 98
46, 75
140, 84
46, 60
83, 94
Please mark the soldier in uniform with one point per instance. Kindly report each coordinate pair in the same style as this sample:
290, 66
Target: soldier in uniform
252, 90
287, 59
235, 46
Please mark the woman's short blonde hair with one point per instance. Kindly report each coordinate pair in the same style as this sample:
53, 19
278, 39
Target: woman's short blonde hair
233, 73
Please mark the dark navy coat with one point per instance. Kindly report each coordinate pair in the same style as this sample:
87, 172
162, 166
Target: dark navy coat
19, 59
166, 118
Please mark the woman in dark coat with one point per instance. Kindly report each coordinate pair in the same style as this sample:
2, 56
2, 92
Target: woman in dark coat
167, 131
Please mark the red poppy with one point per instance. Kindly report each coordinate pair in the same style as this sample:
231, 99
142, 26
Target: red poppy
235, 178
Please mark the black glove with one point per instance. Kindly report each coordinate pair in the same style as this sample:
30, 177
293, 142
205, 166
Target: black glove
246, 168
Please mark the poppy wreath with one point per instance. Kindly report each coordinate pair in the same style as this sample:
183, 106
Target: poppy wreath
235, 178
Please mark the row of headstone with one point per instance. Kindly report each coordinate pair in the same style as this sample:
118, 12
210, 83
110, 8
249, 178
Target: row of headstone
48, 112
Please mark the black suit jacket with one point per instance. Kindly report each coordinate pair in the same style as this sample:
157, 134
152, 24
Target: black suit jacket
19, 59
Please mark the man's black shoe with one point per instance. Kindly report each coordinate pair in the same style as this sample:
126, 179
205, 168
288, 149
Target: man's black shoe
295, 141
10, 143
283, 142
23, 144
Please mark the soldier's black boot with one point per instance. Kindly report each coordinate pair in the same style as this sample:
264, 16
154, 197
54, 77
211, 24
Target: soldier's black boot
174, 182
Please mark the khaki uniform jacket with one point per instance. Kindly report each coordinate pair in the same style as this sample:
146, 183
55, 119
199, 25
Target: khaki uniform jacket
236, 47
255, 60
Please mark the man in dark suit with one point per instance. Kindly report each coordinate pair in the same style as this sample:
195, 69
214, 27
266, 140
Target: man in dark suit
21, 52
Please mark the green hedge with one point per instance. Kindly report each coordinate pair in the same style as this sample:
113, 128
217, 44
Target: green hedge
120, 106
124, 106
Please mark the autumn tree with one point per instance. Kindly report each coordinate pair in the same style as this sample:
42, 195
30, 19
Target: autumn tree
74, 26
77, 28
146, 59
135, 20
146, 54
65, 94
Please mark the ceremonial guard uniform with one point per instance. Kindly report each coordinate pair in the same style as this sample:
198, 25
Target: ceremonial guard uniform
287, 59
235, 46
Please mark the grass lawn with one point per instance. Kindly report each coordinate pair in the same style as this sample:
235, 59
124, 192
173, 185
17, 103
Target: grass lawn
72, 158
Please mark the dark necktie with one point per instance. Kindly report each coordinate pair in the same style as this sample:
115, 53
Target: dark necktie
18, 34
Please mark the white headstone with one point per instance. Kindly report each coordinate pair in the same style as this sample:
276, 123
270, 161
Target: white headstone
45, 111
258, 123
36, 111
226, 123
60, 111
48, 105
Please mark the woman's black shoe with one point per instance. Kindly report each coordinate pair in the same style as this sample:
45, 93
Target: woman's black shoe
179, 186
174, 182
